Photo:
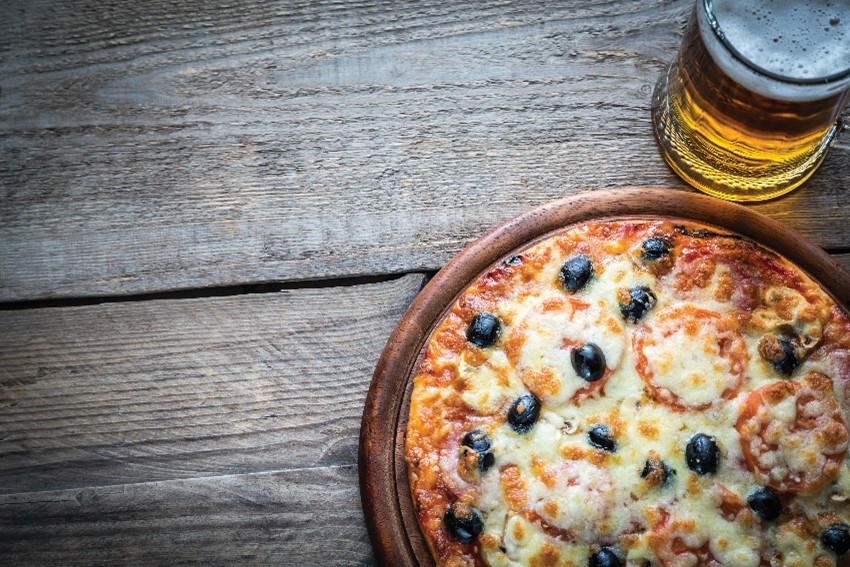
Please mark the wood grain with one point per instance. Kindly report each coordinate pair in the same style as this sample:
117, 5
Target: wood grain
155, 390
150, 146
307, 517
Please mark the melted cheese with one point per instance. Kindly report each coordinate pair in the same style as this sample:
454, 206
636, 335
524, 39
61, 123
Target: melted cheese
794, 434
549, 331
685, 356
550, 496
490, 385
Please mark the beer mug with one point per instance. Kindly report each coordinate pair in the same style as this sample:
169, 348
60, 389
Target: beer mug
752, 104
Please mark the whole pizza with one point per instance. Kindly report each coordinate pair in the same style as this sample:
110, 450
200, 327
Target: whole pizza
647, 393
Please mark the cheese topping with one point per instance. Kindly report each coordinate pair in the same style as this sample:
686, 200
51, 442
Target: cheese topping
793, 434
547, 335
692, 356
693, 333
488, 385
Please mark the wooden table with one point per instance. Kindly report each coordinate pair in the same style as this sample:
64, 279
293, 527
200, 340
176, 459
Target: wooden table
212, 215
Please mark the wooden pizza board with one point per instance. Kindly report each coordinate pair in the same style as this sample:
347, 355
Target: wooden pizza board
384, 490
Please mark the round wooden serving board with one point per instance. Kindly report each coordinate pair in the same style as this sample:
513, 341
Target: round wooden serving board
384, 489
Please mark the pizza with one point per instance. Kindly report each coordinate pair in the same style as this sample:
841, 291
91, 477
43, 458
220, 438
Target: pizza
635, 392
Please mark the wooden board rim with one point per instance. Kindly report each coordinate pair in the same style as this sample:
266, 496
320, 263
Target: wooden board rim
384, 490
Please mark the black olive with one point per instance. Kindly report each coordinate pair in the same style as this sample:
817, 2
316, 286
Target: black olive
513, 260
789, 361
588, 361
654, 248
641, 300
605, 557
484, 330
702, 454
658, 470
463, 522
524, 413
836, 538
765, 502
576, 272
480, 442
600, 436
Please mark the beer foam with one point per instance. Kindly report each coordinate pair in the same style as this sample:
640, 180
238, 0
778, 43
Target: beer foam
794, 40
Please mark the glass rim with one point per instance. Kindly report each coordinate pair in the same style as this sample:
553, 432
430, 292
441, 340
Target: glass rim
708, 7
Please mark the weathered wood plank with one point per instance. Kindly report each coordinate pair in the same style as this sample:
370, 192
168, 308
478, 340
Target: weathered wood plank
149, 147
153, 390
304, 517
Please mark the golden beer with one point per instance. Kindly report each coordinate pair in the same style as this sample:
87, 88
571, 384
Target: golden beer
751, 106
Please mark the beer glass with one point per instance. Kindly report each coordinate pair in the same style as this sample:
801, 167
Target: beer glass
752, 103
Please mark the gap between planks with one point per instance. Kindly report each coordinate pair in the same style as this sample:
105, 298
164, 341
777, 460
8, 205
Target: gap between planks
161, 390
217, 291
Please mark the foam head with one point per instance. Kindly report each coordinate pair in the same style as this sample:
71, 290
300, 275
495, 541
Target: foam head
795, 41
801, 40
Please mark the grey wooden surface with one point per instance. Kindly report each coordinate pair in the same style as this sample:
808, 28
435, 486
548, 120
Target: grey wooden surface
212, 430
151, 146
287, 172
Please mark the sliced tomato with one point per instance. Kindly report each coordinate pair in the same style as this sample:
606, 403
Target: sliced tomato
677, 542
793, 434
689, 357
